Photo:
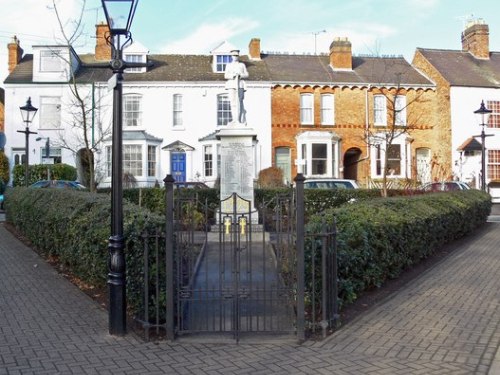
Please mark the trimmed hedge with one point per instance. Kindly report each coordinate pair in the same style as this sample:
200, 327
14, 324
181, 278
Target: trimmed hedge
38, 172
378, 239
75, 226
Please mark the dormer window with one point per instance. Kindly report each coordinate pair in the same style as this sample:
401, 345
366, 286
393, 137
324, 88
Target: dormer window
221, 62
51, 61
135, 59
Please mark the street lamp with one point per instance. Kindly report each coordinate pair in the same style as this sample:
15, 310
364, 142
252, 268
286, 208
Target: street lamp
28, 112
119, 16
483, 113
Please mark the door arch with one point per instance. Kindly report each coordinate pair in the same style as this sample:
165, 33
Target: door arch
351, 163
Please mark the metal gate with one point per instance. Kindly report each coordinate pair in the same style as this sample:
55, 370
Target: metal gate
233, 271
231, 274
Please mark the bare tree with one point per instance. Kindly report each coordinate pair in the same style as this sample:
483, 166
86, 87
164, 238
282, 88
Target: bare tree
82, 103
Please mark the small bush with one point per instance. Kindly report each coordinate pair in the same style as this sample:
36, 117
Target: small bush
4, 168
39, 172
271, 177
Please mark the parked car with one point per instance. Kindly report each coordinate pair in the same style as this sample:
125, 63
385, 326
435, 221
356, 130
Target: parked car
190, 185
58, 184
445, 186
330, 183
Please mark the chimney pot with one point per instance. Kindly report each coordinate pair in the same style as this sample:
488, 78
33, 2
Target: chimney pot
475, 39
15, 53
254, 49
341, 53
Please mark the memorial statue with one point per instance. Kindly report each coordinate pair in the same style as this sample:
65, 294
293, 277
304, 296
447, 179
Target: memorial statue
234, 73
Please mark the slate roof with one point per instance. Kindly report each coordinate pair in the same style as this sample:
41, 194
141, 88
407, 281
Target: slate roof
272, 68
463, 69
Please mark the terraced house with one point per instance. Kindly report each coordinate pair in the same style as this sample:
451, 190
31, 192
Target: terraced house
328, 115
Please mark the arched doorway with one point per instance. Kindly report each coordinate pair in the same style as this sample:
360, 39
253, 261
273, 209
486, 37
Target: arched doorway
351, 163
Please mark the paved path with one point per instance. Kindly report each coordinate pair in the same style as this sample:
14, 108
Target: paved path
444, 322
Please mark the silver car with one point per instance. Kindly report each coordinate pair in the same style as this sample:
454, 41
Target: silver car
330, 183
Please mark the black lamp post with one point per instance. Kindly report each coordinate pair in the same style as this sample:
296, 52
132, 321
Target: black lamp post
28, 112
119, 15
483, 114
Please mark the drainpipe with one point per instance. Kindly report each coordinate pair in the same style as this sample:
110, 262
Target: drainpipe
93, 113
367, 127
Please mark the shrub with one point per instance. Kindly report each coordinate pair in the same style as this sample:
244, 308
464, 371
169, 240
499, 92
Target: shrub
39, 172
378, 239
4, 168
271, 177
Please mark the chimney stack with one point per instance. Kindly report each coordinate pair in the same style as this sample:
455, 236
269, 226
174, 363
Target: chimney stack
475, 39
254, 49
15, 53
102, 49
341, 54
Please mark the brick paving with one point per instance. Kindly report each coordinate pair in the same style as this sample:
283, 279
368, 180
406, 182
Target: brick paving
444, 322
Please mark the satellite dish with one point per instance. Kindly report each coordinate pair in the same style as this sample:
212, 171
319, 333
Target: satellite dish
3, 139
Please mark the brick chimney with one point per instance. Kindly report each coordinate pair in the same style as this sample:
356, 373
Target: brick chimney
102, 49
341, 54
475, 39
15, 53
254, 49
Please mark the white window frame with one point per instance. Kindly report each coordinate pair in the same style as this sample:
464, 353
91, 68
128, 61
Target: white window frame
400, 110
50, 112
208, 161
177, 114
221, 61
51, 61
133, 159
327, 109
132, 117
135, 58
305, 144
307, 109
380, 110
223, 110
282, 160
377, 154
152, 163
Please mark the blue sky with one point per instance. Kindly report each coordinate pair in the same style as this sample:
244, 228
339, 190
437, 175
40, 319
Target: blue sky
379, 27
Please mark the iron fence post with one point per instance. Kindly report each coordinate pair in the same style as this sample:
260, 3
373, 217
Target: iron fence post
169, 255
299, 185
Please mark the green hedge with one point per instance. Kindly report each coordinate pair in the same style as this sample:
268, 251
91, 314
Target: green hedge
378, 239
75, 227
39, 172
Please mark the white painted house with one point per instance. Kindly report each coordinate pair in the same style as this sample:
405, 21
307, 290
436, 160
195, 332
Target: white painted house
171, 110
464, 79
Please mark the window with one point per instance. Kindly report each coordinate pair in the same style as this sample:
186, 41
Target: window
327, 109
493, 164
50, 61
394, 160
319, 159
400, 110
379, 110
208, 161
177, 106
221, 62
283, 161
50, 112
223, 110
494, 119
134, 59
306, 109
132, 110
151, 161
132, 159
54, 153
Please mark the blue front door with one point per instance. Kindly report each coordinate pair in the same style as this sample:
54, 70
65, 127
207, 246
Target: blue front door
178, 166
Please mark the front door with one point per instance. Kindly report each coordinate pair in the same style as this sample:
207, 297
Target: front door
423, 156
178, 166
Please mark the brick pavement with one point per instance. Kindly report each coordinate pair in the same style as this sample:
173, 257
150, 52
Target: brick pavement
444, 322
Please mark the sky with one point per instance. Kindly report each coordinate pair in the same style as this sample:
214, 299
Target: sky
374, 27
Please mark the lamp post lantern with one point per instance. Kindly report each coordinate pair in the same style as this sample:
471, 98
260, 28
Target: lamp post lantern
483, 114
28, 112
119, 15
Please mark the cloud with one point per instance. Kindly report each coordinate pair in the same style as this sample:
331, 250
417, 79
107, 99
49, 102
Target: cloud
209, 35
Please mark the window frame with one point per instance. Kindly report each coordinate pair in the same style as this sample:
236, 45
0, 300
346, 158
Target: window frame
493, 167
327, 111
51, 64
132, 165
50, 121
134, 58
379, 110
307, 109
129, 99
177, 111
400, 110
152, 163
221, 61
208, 161
224, 115
494, 117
